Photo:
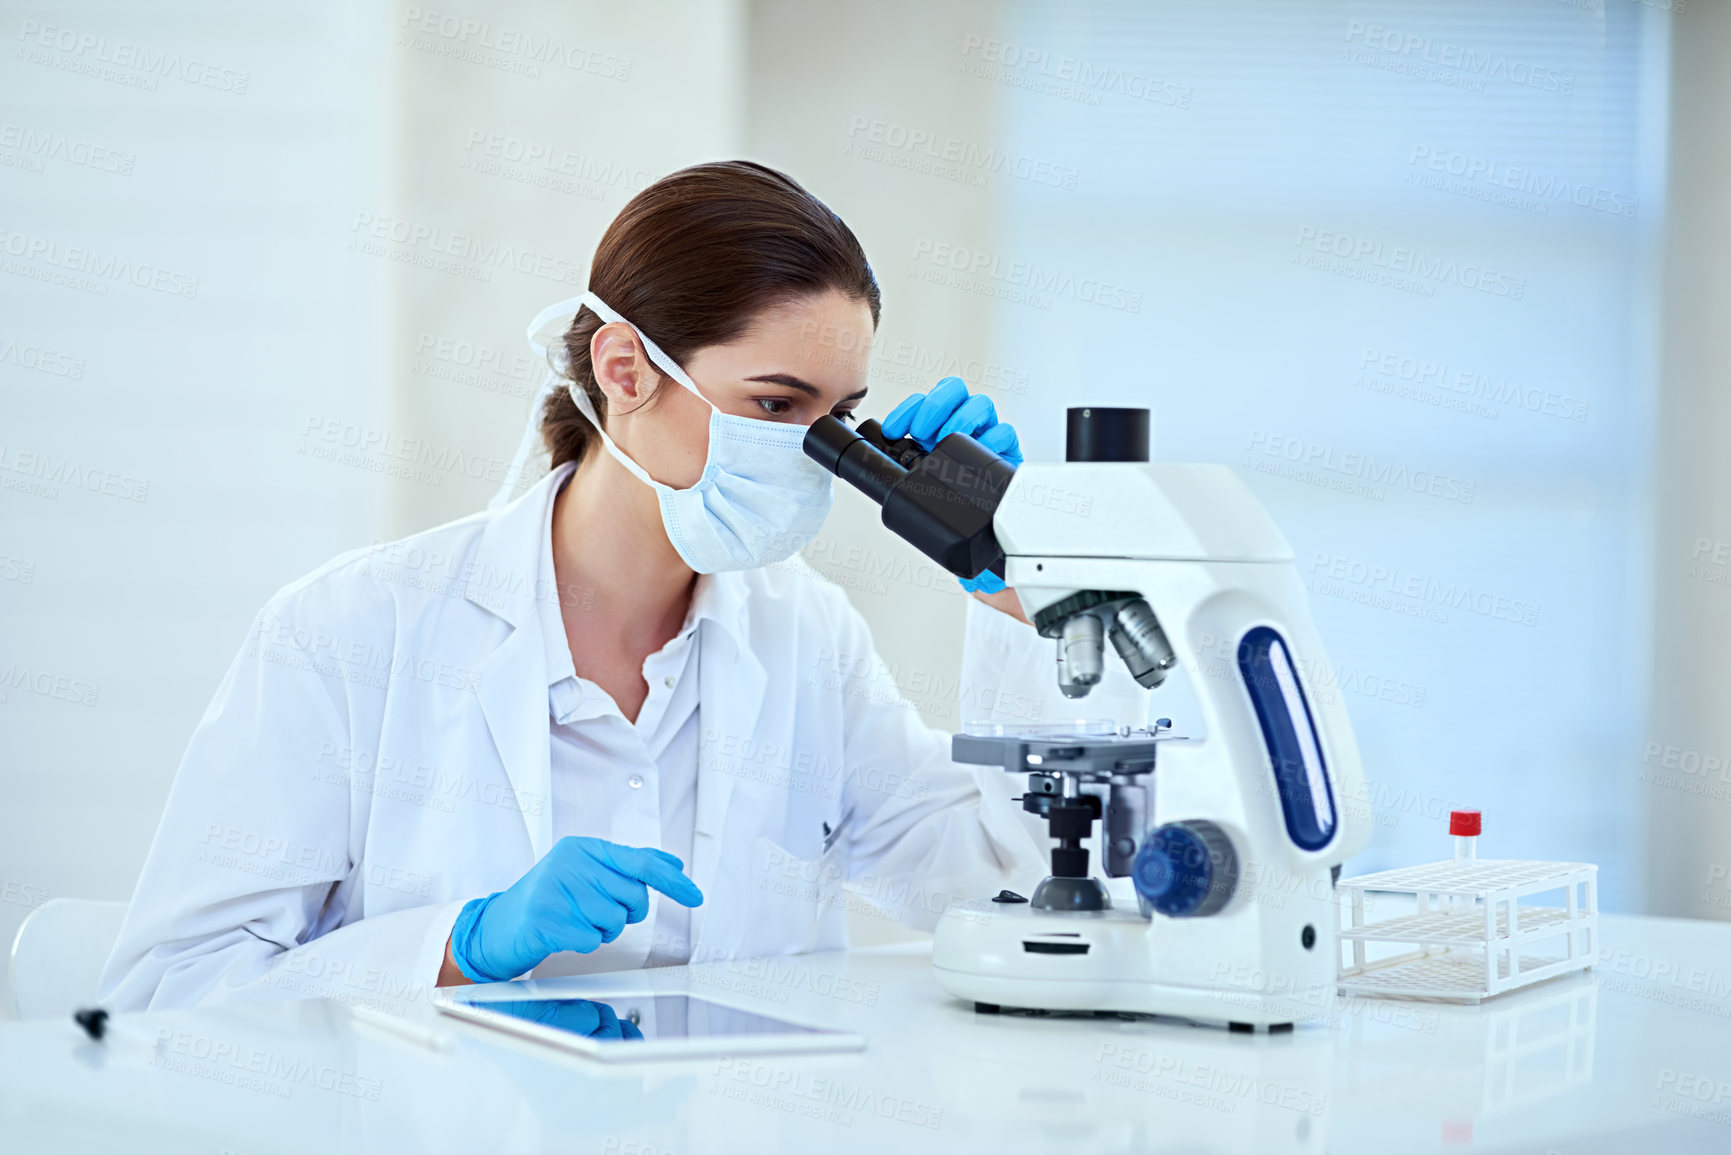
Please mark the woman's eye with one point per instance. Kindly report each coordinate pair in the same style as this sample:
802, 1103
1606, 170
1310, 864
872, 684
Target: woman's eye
776, 406
845, 416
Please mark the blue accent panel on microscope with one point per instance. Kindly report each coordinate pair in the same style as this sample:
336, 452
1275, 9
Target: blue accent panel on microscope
1294, 749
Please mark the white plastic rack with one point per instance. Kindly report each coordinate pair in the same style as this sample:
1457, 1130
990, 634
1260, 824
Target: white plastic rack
1474, 937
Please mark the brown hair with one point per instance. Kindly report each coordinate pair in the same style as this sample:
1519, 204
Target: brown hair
691, 261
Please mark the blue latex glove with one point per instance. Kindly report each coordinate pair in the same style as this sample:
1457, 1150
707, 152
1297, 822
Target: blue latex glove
930, 417
581, 894
985, 582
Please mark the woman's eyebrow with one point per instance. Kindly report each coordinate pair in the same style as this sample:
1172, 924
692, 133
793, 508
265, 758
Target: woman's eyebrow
793, 382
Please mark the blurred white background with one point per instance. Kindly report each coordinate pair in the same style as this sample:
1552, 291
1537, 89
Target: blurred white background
1444, 280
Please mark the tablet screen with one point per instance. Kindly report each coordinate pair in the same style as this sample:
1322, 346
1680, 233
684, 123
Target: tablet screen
659, 1018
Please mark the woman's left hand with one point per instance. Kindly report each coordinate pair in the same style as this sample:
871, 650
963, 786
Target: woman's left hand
1004, 601
929, 418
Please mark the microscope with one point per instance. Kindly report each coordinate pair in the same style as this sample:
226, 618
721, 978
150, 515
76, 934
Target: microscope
1232, 838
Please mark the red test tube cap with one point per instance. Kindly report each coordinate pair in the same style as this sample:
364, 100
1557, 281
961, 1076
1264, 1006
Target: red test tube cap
1464, 823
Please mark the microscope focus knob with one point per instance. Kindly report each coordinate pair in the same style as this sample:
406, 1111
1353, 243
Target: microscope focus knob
1186, 869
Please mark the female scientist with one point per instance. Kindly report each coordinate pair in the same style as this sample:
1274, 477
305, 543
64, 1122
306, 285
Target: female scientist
614, 723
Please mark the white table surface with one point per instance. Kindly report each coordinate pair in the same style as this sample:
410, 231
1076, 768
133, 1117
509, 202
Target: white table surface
1634, 1056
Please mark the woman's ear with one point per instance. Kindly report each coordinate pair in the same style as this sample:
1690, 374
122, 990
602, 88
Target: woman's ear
621, 367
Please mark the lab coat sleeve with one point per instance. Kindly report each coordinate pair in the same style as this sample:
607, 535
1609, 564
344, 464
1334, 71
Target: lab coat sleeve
247, 887
924, 831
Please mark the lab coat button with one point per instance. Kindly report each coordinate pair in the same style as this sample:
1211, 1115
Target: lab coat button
636, 781
668, 682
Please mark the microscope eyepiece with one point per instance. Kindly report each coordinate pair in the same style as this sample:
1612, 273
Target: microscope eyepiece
941, 501
826, 441
1097, 433
853, 458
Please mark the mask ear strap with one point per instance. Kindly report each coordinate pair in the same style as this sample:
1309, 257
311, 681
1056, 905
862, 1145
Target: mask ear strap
661, 360
587, 408
543, 342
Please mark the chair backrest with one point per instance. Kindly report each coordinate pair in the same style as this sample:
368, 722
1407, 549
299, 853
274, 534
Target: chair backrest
59, 953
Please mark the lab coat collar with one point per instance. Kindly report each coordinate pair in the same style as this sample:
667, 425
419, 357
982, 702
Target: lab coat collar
721, 600
513, 678
505, 579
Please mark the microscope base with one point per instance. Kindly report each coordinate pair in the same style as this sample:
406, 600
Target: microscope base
1016, 958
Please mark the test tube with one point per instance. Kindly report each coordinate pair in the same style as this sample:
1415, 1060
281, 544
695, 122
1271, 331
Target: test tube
1464, 825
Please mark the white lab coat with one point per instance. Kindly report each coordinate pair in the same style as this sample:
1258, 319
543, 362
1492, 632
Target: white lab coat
378, 754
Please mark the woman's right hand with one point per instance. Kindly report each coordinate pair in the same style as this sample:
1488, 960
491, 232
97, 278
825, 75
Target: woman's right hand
583, 893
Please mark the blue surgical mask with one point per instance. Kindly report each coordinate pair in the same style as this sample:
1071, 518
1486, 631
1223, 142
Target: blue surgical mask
759, 500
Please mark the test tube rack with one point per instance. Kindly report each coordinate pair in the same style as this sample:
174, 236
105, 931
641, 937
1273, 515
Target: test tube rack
1473, 936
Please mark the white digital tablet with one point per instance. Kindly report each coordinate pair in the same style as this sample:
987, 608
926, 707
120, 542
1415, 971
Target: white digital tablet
647, 1026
